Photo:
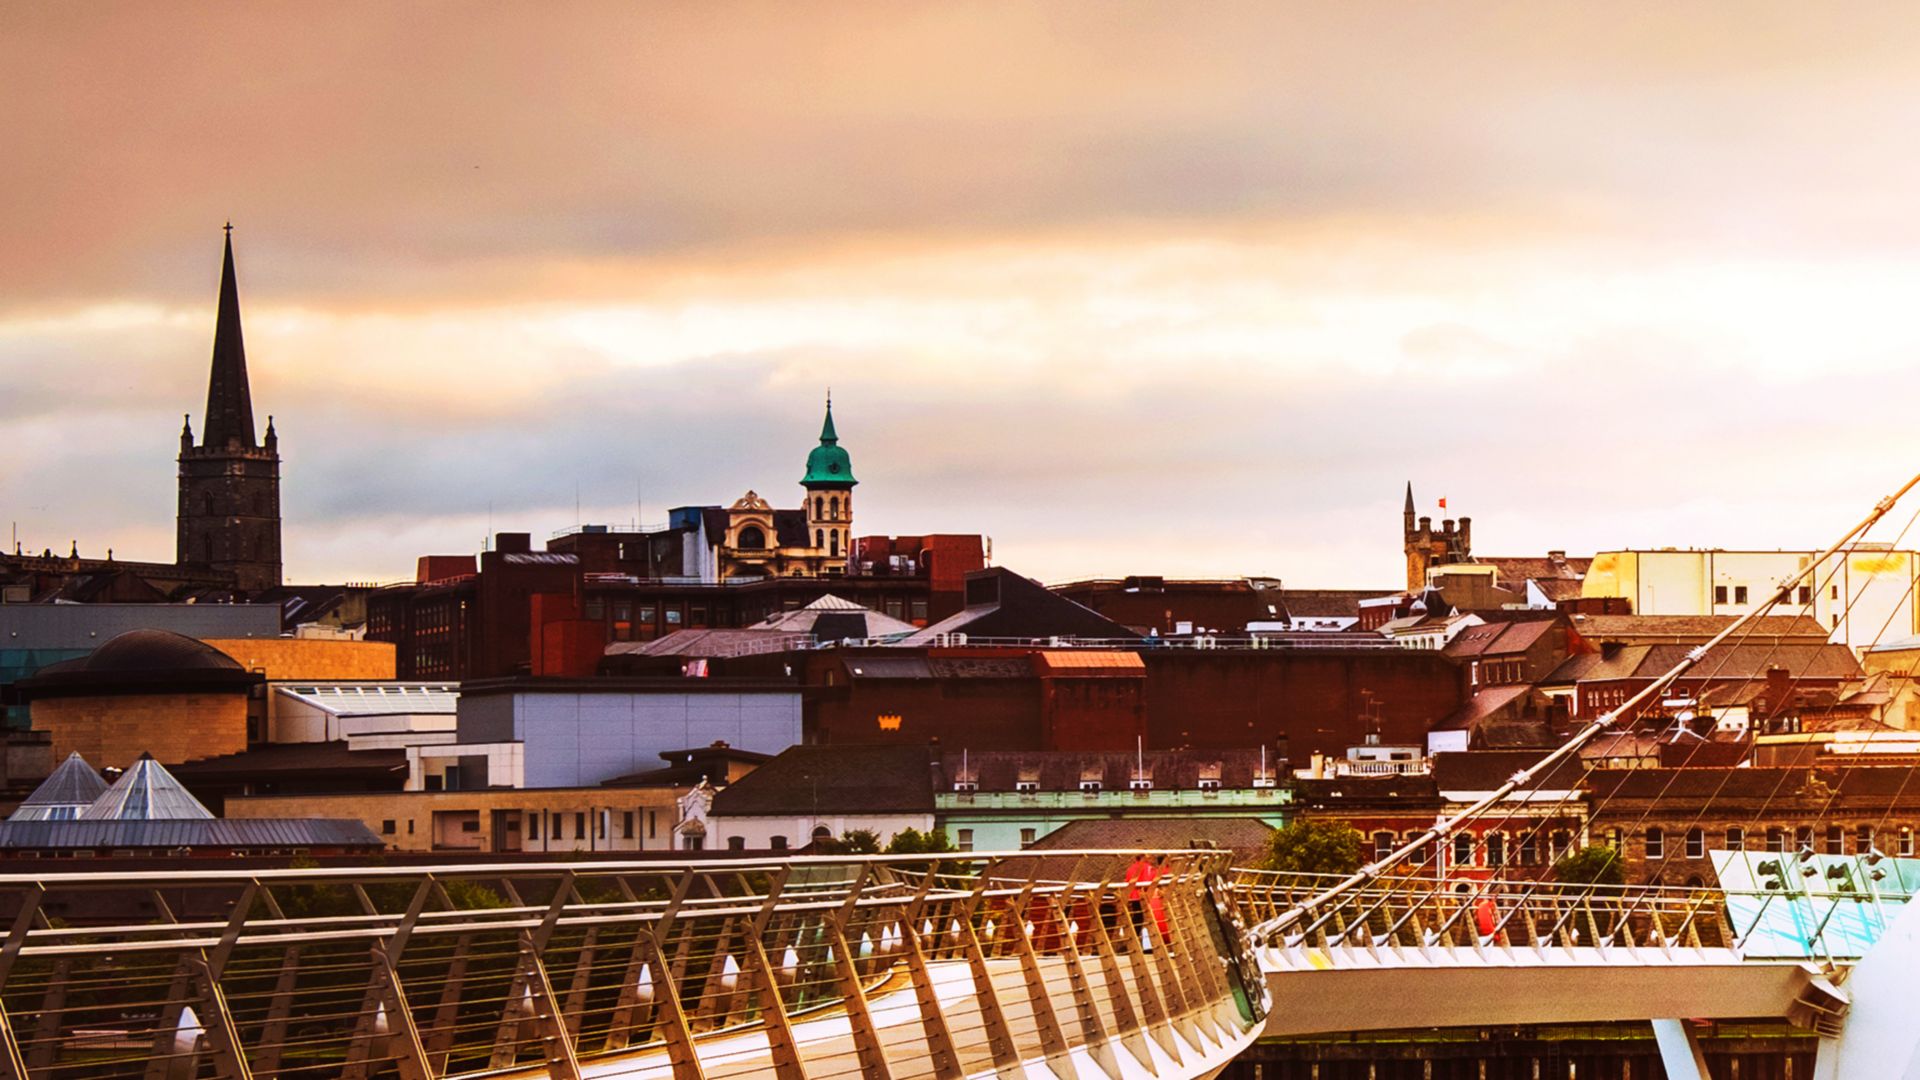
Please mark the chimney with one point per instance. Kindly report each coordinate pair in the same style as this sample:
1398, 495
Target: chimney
1779, 690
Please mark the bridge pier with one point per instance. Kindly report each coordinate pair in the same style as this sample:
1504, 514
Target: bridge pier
1680, 1053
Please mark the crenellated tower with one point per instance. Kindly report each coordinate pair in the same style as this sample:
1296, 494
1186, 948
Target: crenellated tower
229, 512
1427, 547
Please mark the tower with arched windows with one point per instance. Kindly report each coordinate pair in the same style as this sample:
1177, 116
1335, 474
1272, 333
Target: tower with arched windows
229, 512
829, 508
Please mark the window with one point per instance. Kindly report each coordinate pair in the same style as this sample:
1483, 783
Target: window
653, 824
1776, 839
1863, 840
1496, 849
1562, 844
595, 608
558, 831
1529, 848
833, 508
1736, 839
965, 839
1656, 843
673, 616
1091, 787
777, 843
1803, 838
1026, 838
695, 843
1835, 594
1719, 594
920, 611
736, 843
1836, 840
833, 541
580, 825
821, 832
752, 538
1806, 594
533, 825
1026, 787
470, 826
1463, 850
1382, 845
626, 825
387, 827
1614, 838
600, 824
1696, 843
1739, 594
1209, 784
1906, 840
819, 538
818, 511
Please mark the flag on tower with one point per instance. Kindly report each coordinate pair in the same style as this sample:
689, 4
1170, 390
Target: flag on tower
1443, 502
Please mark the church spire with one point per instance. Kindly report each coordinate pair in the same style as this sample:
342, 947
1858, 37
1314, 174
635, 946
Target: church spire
229, 400
827, 435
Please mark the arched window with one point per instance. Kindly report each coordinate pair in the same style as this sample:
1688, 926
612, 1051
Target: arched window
833, 539
1496, 849
819, 538
1463, 849
819, 507
752, 538
821, 832
1382, 844
206, 503
1656, 842
206, 549
833, 508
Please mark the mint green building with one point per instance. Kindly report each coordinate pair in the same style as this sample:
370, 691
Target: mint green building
1005, 800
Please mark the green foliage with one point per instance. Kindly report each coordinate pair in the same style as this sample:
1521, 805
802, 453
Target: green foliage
1590, 866
469, 895
914, 842
1315, 847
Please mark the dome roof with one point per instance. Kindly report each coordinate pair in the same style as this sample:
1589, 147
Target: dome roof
140, 661
156, 651
828, 466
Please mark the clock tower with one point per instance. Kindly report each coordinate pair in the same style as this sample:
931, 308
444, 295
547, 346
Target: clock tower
829, 508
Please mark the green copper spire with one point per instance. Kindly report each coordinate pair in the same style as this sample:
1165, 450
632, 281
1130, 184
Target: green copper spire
829, 466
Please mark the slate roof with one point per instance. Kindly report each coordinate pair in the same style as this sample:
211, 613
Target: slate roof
1517, 570
1001, 603
1485, 770
61, 796
188, 833
143, 793
1500, 638
1246, 837
1745, 661
838, 779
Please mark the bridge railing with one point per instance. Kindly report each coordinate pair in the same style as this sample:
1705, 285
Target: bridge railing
1408, 912
934, 966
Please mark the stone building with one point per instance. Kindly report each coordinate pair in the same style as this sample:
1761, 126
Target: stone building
229, 511
146, 691
1427, 547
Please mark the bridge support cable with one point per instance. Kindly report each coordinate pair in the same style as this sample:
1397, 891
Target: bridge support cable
1442, 829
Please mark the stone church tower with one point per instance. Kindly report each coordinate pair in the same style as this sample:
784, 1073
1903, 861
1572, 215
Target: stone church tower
229, 515
1428, 547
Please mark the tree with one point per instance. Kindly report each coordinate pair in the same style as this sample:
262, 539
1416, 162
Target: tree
1590, 866
1315, 847
851, 842
912, 841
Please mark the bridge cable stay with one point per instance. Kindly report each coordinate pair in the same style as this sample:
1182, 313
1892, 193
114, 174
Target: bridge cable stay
1747, 680
1542, 820
1442, 829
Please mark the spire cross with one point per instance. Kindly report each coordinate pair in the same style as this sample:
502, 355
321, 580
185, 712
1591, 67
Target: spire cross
229, 228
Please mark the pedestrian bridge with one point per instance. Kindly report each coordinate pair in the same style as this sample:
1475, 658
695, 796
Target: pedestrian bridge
1015, 964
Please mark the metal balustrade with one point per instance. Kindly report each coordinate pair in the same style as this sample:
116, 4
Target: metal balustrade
814, 967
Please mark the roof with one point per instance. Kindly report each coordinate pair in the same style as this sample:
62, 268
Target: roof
1499, 638
1520, 569
146, 792
1247, 837
376, 698
142, 661
1745, 661
1001, 603
1065, 770
229, 414
1691, 629
71, 788
1109, 662
828, 465
1483, 703
1486, 770
834, 617
707, 643
839, 779
1558, 589
328, 761
188, 833
1326, 603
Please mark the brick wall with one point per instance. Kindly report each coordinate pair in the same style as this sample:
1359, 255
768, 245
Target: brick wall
114, 731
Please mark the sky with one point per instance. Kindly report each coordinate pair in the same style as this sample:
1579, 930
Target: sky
1183, 289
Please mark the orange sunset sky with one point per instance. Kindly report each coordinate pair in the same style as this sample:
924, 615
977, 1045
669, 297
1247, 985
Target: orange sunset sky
1190, 289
